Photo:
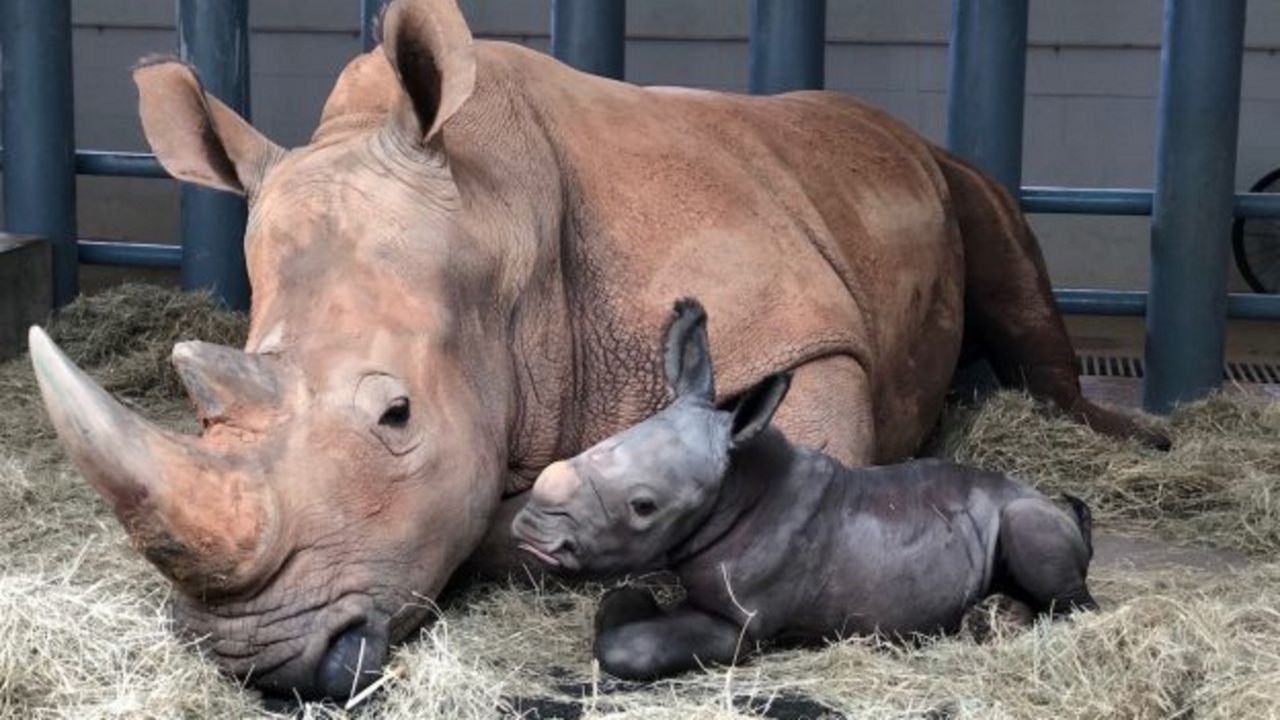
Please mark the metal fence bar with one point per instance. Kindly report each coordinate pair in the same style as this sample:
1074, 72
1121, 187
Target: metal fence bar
213, 35
1240, 306
108, 163
1199, 113
370, 16
590, 35
1086, 201
1257, 205
102, 252
1127, 201
788, 45
40, 181
987, 79
118, 164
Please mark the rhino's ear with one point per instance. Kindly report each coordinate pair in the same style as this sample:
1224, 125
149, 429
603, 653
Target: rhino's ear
755, 409
197, 138
687, 360
429, 45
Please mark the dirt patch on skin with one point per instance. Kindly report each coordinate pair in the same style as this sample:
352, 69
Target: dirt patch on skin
1186, 573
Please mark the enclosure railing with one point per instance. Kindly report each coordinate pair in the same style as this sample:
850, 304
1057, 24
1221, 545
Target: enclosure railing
1191, 205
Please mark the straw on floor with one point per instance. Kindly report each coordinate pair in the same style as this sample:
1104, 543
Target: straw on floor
83, 631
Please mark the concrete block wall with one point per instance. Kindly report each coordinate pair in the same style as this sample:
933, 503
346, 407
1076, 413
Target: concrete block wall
1092, 85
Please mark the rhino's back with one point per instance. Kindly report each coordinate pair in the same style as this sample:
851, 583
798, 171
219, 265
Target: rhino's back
808, 224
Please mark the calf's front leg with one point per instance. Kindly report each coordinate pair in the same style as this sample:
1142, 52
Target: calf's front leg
638, 640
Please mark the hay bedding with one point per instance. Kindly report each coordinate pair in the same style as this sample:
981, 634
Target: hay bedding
83, 632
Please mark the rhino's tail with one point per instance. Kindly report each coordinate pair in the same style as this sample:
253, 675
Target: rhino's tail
1084, 519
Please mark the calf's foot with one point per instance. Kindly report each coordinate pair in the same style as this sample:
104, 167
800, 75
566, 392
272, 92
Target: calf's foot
673, 642
625, 605
995, 616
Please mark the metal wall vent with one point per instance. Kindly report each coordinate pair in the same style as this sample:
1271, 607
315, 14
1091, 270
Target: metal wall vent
1120, 366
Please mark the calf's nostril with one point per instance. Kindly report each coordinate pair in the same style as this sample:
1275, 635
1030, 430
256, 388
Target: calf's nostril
354, 660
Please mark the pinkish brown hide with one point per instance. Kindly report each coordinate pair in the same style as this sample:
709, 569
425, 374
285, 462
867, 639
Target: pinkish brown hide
463, 278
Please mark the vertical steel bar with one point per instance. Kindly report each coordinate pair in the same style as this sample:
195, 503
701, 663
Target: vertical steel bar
39, 136
788, 45
370, 16
590, 35
1199, 110
213, 35
988, 72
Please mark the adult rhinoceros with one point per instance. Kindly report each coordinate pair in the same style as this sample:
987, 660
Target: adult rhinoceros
464, 276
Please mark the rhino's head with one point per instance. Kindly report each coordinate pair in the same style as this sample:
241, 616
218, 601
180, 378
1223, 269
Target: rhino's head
353, 454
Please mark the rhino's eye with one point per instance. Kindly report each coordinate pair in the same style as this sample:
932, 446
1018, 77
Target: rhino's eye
397, 413
642, 506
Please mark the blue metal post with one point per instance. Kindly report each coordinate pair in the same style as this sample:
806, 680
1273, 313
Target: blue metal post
39, 137
213, 35
788, 45
590, 35
370, 16
1191, 213
988, 71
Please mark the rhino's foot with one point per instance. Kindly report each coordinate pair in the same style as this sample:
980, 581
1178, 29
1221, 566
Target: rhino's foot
1118, 424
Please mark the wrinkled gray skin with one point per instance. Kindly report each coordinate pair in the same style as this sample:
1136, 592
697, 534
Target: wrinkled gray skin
772, 541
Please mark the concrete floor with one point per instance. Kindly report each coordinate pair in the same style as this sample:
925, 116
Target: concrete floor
1247, 341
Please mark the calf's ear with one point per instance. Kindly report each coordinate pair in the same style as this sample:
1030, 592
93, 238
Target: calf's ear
756, 407
687, 360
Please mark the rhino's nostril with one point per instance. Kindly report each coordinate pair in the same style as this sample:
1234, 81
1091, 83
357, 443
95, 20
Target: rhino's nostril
354, 659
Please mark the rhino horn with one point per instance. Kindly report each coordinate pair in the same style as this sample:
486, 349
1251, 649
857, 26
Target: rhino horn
224, 382
201, 518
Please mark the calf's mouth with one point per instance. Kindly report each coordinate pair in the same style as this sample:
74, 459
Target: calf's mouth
543, 536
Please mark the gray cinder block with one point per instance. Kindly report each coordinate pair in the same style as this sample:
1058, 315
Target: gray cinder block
26, 289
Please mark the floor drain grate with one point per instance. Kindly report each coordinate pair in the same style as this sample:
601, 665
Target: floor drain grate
1121, 366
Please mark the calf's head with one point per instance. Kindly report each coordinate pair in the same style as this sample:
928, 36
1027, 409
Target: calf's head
353, 454
626, 503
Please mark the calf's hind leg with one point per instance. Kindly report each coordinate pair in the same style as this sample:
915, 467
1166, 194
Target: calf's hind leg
1044, 557
662, 644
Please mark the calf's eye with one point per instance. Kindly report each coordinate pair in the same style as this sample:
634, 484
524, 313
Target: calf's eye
643, 507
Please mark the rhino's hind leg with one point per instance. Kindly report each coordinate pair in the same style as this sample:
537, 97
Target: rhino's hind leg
1010, 312
661, 644
1043, 558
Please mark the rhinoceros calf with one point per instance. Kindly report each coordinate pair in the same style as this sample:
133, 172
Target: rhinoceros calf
775, 541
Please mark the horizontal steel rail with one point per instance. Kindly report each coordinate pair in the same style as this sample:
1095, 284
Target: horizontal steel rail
1128, 201
1240, 306
119, 164
110, 163
106, 252
1036, 199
